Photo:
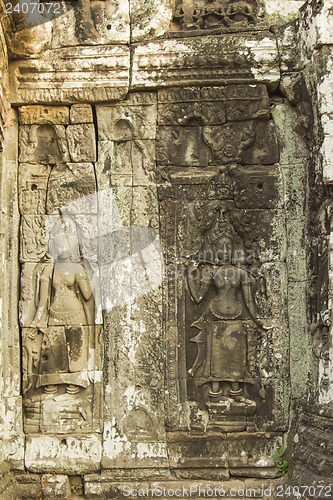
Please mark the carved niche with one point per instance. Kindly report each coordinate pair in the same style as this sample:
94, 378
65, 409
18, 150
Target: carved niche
212, 14
59, 304
223, 238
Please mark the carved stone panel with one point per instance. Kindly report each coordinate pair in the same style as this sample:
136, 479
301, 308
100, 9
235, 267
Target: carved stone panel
81, 142
212, 14
43, 143
224, 241
33, 181
59, 308
194, 122
72, 188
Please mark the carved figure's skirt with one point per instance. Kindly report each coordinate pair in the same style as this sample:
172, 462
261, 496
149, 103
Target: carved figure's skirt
64, 356
223, 347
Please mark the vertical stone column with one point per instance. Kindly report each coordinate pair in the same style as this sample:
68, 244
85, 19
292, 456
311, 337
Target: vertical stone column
131, 275
59, 308
315, 433
11, 440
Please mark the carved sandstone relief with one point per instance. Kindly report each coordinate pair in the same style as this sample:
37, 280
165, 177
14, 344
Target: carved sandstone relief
131, 272
59, 303
212, 14
225, 360
223, 240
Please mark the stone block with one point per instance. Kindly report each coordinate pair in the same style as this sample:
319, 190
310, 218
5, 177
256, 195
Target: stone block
102, 23
63, 455
248, 142
150, 20
55, 486
44, 143
316, 25
126, 163
72, 189
81, 113
246, 102
34, 237
33, 181
257, 186
54, 115
29, 486
191, 106
81, 142
133, 119
236, 58
71, 74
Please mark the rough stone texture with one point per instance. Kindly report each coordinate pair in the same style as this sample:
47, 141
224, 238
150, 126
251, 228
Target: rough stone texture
30, 115
134, 411
97, 74
55, 486
172, 170
64, 455
232, 58
81, 113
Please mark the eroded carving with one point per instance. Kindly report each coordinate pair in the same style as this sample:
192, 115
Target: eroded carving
224, 362
58, 307
214, 126
44, 143
210, 14
72, 188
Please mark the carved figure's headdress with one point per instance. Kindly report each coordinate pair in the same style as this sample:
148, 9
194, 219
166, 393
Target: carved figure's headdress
64, 227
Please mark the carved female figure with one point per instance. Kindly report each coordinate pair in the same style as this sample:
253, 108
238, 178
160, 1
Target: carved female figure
240, 11
221, 342
213, 14
64, 313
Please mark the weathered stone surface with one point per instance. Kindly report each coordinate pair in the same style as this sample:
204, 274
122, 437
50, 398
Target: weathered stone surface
209, 15
227, 58
72, 189
281, 11
34, 238
237, 142
29, 485
134, 118
81, 113
98, 23
43, 144
56, 486
190, 106
316, 25
150, 19
206, 343
55, 115
126, 163
96, 74
33, 180
8, 485
64, 455
245, 102
81, 142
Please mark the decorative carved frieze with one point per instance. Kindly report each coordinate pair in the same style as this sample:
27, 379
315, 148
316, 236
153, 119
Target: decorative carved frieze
212, 14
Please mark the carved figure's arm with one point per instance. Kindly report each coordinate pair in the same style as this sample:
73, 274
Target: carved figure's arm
204, 282
249, 301
85, 286
44, 290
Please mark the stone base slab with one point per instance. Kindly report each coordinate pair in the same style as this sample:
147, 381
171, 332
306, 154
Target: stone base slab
63, 455
102, 486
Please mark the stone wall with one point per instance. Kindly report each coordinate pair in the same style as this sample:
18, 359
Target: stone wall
166, 246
